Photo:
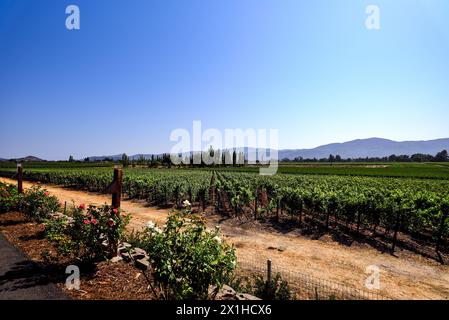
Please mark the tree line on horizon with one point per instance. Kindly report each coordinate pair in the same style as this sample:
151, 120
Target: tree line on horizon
194, 159
233, 158
441, 156
239, 159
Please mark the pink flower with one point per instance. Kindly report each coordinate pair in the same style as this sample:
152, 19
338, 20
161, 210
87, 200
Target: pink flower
94, 221
86, 221
46, 194
115, 212
82, 206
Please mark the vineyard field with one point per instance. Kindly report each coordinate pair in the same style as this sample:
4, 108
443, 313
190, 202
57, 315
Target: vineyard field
413, 206
397, 170
427, 170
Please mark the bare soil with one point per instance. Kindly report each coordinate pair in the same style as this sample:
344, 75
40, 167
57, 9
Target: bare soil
405, 275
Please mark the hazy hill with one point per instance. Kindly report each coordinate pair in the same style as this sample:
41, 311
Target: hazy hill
24, 159
29, 159
372, 147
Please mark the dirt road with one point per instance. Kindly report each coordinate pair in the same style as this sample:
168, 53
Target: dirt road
404, 276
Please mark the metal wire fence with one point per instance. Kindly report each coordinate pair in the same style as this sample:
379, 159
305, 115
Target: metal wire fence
303, 286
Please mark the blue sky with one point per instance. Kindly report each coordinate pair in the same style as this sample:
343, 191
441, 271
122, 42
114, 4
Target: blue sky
136, 70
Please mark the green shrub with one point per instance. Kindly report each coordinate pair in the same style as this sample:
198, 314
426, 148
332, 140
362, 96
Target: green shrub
186, 258
38, 204
87, 234
276, 289
242, 284
10, 199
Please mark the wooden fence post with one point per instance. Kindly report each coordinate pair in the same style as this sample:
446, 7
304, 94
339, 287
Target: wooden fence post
212, 192
440, 232
117, 190
359, 215
396, 229
278, 207
20, 178
255, 203
269, 275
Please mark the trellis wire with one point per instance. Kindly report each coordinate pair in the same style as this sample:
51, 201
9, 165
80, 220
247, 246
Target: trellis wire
307, 287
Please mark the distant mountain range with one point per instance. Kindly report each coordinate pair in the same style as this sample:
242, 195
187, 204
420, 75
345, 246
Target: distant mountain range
24, 159
372, 147
360, 148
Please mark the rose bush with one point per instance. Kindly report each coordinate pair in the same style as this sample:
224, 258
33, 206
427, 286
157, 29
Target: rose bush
186, 258
10, 198
87, 234
37, 204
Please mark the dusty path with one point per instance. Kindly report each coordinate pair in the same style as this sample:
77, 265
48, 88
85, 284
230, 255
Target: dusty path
140, 212
406, 276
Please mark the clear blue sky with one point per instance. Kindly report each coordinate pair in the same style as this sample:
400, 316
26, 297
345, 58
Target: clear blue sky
138, 69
